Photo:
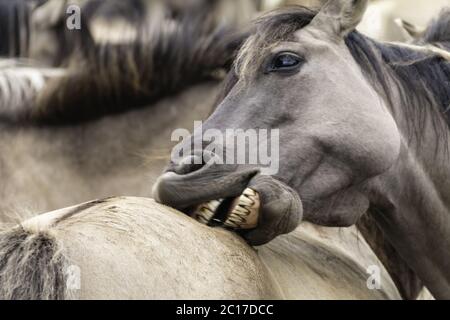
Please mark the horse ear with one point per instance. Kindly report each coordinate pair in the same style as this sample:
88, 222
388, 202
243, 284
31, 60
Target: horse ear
340, 16
409, 30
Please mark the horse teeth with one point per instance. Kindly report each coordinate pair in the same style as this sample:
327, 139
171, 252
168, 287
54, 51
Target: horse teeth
249, 193
206, 211
245, 212
212, 205
241, 211
202, 219
243, 215
231, 224
236, 217
207, 214
246, 201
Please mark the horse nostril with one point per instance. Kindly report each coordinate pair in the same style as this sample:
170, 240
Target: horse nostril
188, 165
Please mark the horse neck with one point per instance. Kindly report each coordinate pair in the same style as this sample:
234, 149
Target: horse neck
410, 201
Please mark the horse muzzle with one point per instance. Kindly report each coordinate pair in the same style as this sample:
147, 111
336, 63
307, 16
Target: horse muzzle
259, 207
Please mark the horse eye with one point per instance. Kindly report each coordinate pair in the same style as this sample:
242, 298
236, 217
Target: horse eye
285, 62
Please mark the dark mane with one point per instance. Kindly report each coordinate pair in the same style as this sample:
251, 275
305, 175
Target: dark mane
438, 32
14, 31
130, 10
421, 78
165, 58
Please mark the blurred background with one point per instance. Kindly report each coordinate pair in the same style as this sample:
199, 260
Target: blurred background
36, 29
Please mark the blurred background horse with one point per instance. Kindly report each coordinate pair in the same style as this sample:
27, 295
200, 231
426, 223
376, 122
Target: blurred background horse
121, 101
82, 123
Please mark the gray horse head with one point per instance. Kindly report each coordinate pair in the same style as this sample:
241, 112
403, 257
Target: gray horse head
296, 74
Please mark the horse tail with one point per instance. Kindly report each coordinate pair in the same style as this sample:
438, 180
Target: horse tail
32, 266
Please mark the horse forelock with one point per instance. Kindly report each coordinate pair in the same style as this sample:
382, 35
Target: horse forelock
269, 29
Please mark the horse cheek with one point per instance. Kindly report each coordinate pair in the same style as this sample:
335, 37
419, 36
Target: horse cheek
343, 209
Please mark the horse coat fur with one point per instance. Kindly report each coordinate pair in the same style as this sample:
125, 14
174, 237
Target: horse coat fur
143, 250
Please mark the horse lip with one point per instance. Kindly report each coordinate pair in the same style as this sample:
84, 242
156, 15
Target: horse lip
169, 179
156, 186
